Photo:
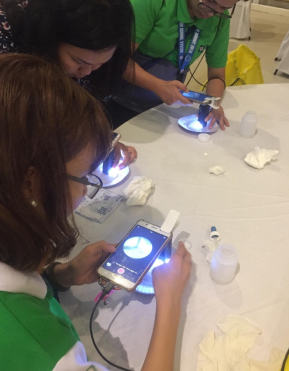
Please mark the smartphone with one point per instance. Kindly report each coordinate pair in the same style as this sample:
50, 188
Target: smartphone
108, 162
134, 255
196, 97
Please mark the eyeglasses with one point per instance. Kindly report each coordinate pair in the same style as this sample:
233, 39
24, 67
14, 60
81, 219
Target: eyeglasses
207, 9
89, 180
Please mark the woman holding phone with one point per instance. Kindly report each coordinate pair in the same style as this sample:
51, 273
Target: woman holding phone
53, 135
88, 39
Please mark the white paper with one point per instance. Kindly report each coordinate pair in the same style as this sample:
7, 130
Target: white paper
259, 157
228, 352
138, 190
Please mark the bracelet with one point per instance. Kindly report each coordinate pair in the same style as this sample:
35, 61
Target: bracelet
219, 78
49, 272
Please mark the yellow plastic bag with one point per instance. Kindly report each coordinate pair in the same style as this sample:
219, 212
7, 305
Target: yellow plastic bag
243, 67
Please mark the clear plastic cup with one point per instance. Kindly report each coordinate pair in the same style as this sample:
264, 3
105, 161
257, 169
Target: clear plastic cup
224, 264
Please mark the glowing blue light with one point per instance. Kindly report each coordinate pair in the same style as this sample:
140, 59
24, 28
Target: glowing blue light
113, 172
157, 263
146, 287
195, 125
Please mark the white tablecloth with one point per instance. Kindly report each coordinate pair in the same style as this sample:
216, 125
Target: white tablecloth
249, 207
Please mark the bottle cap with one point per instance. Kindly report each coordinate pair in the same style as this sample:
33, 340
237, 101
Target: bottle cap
203, 137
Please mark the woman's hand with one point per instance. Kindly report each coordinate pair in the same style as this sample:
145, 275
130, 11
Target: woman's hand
170, 279
217, 115
83, 268
124, 155
169, 92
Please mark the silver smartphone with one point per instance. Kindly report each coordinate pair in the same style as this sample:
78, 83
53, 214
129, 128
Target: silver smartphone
134, 255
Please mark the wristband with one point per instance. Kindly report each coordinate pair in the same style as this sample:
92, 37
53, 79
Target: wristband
49, 272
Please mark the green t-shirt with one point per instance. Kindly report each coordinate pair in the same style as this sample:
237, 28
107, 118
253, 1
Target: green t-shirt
157, 31
34, 333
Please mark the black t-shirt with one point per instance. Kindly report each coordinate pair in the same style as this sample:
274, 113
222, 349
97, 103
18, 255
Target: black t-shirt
9, 44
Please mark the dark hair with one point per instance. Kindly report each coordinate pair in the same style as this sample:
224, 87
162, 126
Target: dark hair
89, 24
46, 120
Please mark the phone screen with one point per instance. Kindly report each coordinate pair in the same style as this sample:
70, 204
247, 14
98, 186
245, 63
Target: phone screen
196, 96
135, 253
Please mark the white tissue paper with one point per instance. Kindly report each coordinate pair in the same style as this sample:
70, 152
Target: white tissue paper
210, 247
101, 206
229, 351
259, 157
217, 170
138, 190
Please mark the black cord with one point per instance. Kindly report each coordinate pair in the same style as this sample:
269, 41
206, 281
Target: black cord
192, 74
106, 290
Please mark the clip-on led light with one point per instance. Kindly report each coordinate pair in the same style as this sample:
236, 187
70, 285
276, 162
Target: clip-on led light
196, 123
109, 175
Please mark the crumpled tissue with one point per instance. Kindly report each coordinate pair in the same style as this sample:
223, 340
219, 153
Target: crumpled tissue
101, 206
217, 170
138, 190
210, 247
229, 351
259, 157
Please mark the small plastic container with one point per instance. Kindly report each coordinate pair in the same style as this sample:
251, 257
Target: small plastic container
248, 125
224, 264
203, 137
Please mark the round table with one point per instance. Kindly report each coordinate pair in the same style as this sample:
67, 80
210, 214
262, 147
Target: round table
249, 207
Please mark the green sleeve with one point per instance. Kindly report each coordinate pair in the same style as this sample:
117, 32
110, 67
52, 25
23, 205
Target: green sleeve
145, 12
217, 52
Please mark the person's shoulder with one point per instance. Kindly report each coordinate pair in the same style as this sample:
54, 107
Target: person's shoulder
151, 5
41, 318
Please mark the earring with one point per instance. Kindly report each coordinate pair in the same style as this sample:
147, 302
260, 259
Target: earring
33, 203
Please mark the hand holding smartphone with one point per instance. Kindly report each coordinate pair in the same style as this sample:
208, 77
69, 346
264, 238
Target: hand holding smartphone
134, 255
197, 97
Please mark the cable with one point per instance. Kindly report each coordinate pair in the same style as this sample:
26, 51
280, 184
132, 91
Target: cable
192, 74
106, 290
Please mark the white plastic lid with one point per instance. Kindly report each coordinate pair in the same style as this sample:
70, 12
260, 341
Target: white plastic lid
203, 137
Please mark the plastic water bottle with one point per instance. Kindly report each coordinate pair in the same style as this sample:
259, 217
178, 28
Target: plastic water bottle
248, 125
224, 264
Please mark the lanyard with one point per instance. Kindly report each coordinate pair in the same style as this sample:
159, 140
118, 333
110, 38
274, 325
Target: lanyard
184, 60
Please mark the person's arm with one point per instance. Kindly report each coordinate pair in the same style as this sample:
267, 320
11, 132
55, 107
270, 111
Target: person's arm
83, 268
216, 88
168, 91
216, 58
169, 283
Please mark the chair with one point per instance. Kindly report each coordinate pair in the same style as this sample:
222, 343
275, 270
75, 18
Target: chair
283, 47
283, 56
240, 27
283, 65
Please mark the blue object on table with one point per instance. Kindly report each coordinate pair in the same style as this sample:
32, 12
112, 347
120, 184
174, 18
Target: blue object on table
203, 113
108, 162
